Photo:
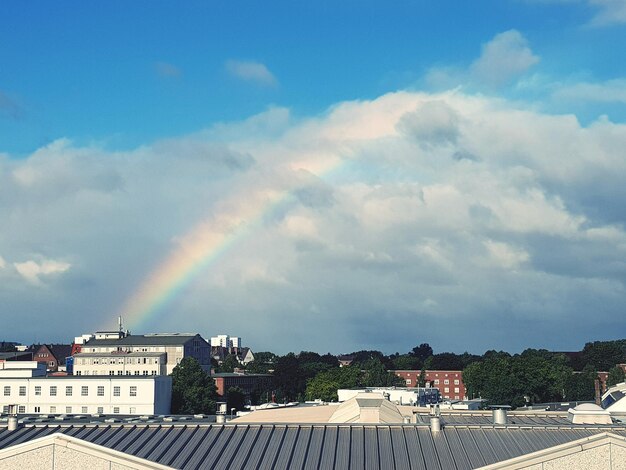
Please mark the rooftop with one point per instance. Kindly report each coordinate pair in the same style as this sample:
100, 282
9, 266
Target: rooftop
144, 340
341, 446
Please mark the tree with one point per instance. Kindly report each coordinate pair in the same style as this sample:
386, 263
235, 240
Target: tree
422, 352
603, 355
324, 385
616, 376
581, 385
235, 398
229, 364
193, 390
406, 362
376, 375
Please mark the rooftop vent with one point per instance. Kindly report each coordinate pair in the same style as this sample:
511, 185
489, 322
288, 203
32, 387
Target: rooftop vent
498, 414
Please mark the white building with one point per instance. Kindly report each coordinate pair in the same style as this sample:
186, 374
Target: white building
120, 363
34, 393
174, 347
226, 341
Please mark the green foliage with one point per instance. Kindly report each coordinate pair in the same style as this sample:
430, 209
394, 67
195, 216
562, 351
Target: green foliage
235, 398
603, 355
193, 390
324, 386
406, 362
535, 376
263, 363
580, 385
616, 376
229, 364
374, 374
422, 352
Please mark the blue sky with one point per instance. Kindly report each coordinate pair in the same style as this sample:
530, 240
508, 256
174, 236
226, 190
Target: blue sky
457, 168
97, 72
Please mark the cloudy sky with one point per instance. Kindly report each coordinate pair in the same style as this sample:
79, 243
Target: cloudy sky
322, 175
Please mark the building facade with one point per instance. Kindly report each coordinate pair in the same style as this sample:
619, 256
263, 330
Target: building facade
53, 355
174, 347
35, 393
449, 382
120, 363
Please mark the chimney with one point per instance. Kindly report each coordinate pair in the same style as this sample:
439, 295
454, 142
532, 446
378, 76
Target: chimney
596, 383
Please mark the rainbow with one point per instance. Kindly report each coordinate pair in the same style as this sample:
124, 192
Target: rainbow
207, 242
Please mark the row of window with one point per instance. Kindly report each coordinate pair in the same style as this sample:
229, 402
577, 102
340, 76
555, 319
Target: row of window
69, 390
119, 360
447, 390
119, 372
69, 409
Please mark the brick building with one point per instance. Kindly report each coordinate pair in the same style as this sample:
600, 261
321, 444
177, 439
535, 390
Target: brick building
247, 382
449, 382
53, 355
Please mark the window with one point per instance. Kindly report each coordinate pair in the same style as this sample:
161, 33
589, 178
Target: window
456, 389
132, 410
22, 391
38, 409
119, 372
84, 391
111, 372
116, 409
154, 372
116, 391
83, 409
408, 381
21, 409
53, 409
136, 372
7, 390
456, 382
127, 372
133, 391
100, 410
68, 391
68, 409
100, 390
78, 372
446, 382
53, 390
446, 390
38, 390
436, 381
145, 372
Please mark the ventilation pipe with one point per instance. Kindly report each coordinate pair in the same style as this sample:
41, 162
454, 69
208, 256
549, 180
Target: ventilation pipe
12, 421
498, 414
435, 424
220, 415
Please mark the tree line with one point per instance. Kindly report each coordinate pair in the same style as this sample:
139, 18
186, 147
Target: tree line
533, 376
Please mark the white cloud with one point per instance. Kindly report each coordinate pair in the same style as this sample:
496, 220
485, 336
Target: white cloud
251, 71
33, 271
506, 57
607, 12
382, 217
603, 92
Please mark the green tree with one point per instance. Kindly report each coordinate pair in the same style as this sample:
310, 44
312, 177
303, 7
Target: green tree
229, 364
581, 385
235, 398
616, 376
324, 385
193, 390
406, 362
603, 355
376, 375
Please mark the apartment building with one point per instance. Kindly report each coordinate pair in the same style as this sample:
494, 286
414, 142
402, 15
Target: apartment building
449, 382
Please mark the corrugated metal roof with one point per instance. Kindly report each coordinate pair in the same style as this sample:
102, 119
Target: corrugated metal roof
305, 446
